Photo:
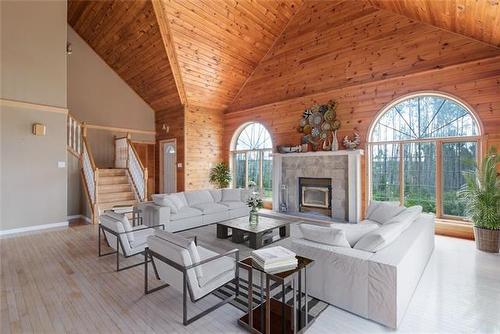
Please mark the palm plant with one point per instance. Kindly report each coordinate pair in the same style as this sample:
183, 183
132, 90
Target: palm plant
481, 197
220, 175
481, 193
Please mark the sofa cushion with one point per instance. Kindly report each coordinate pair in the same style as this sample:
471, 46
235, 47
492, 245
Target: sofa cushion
231, 195
123, 219
325, 235
216, 194
207, 208
166, 201
185, 212
179, 200
232, 205
382, 237
374, 204
407, 215
384, 211
216, 269
354, 232
198, 196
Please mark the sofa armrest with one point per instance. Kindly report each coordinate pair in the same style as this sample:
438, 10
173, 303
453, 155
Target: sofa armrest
155, 215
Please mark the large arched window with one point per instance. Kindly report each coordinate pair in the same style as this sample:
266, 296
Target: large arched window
252, 162
418, 148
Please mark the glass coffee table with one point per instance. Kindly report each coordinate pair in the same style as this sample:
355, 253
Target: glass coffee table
272, 315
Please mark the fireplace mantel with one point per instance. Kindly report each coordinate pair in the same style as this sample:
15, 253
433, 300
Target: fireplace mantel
347, 161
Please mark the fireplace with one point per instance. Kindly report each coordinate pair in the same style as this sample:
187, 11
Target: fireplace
315, 195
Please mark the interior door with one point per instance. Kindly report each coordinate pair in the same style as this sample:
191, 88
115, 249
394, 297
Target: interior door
169, 168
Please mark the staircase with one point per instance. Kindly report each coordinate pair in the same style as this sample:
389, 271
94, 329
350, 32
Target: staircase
114, 189
124, 185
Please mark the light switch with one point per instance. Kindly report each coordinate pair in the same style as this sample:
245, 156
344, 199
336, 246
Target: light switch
179, 165
61, 164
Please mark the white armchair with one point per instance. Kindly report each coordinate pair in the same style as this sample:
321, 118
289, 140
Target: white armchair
122, 237
189, 268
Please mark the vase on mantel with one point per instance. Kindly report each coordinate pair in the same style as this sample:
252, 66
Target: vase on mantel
335, 141
253, 218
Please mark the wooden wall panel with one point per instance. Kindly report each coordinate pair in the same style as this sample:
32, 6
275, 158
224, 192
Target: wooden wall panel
334, 44
476, 83
174, 119
204, 133
475, 19
218, 44
125, 34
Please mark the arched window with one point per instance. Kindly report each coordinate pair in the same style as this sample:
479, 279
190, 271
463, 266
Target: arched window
418, 148
252, 158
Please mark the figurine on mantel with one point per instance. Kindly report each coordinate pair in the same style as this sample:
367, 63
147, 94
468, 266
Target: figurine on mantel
352, 144
319, 126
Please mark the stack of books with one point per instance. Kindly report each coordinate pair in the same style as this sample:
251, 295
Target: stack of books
275, 259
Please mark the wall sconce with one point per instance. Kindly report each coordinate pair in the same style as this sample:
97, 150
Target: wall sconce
38, 129
165, 128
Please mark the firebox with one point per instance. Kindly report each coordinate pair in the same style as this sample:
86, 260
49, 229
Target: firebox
315, 195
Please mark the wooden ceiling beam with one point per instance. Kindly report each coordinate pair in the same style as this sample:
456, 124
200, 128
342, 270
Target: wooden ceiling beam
162, 19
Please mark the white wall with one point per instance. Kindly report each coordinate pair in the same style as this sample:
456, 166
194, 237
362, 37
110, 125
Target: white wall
33, 70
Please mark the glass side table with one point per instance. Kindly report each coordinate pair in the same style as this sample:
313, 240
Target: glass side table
272, 315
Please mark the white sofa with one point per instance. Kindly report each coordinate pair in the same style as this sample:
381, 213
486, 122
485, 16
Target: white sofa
375, 284
190, 209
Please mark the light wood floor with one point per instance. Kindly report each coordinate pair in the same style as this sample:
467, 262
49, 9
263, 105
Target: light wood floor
53, 282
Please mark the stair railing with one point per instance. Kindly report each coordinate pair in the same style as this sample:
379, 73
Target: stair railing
90, 174
74, 135
126, 157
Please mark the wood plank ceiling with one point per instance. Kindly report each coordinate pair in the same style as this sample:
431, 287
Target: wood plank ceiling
334, 44
218, 44
125, 34
479, 19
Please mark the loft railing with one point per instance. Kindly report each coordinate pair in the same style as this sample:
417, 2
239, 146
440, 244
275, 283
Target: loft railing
90, 175
74, 135
126, 157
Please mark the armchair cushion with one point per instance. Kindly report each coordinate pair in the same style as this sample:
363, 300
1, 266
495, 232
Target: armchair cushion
216, 270
141, 235
123, 219
207, 208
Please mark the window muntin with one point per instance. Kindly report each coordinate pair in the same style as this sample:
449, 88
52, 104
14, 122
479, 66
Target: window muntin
252, 159
419, 148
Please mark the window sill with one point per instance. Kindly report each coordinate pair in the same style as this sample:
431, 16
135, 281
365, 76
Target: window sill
454, 228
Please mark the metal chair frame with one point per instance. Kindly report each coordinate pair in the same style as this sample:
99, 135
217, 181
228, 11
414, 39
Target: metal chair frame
150, 255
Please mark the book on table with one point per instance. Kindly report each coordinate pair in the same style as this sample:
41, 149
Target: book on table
275, 259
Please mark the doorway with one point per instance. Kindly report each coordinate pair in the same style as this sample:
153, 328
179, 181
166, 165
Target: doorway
168, 166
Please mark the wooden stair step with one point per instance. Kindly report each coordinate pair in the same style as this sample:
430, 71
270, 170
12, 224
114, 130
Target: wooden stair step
113, 188
116, 196
113, 172
106, 180
108, 205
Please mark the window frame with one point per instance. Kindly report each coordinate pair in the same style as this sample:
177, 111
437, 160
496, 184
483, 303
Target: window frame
261, 151
438, 142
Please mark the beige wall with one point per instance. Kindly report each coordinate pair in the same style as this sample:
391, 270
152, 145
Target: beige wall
33, 69
97, 95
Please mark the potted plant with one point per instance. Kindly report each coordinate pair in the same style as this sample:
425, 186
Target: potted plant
220, 175
481, 197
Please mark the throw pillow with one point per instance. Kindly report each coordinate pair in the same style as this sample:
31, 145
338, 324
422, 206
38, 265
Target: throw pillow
324, 235
179, 200
385, 211
407, 215
166, 201
231, 195
380, 238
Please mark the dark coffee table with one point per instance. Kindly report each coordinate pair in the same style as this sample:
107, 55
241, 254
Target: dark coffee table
241, 229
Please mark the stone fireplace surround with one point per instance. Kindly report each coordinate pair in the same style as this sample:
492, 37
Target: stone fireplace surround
343, 167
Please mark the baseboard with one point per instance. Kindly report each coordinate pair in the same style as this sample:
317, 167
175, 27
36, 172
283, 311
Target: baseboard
87, 219
32, 228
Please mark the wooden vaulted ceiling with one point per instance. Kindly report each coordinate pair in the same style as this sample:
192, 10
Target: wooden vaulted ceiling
236, 54
126, 35
479, 19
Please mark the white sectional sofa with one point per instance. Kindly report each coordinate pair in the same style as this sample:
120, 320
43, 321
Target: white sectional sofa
190, 209
372, 268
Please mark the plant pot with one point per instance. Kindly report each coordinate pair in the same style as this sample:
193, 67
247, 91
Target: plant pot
487, 240
253, 218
